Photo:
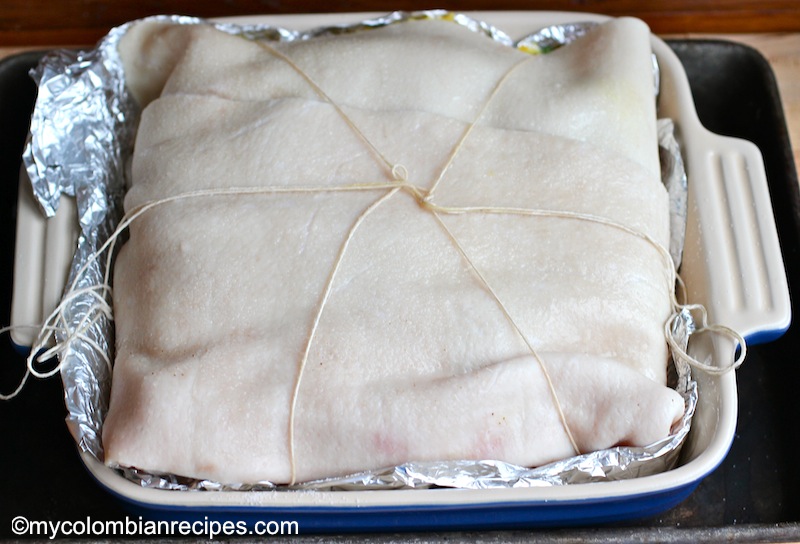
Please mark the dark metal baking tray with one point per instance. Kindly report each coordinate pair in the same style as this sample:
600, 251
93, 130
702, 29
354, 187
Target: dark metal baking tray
752, 496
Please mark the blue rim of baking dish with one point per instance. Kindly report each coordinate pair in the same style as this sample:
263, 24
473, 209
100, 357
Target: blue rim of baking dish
422, 517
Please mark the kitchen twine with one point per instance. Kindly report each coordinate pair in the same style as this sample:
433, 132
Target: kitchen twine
399, 181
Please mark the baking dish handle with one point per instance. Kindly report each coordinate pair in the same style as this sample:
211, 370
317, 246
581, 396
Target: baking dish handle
42, 256
731, 225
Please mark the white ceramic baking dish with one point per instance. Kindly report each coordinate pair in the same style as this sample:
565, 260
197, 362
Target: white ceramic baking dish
732, 265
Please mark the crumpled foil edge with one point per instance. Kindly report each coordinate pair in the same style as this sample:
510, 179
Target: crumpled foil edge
81, 139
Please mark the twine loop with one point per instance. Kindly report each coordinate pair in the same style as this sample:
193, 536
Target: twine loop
699, 315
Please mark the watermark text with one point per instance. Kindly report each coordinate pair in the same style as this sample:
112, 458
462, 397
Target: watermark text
132, 526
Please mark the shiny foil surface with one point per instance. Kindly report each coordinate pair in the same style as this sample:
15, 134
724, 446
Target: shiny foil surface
80, 143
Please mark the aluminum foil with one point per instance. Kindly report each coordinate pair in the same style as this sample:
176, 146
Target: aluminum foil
81, 136
80, 143
550, 38
673, 174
